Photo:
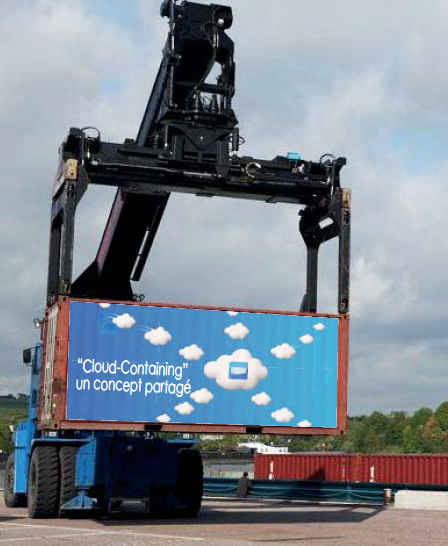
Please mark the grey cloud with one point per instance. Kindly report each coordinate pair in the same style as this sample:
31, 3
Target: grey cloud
345, 78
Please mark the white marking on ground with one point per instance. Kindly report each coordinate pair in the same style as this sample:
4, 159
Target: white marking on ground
66, 535
153, 535
87, 532
7, 524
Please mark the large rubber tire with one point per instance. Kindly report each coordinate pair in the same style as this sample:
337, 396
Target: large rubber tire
12, 500
67, 460
43, 482
190, 480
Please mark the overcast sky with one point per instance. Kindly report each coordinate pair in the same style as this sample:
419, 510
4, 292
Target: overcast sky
366, 80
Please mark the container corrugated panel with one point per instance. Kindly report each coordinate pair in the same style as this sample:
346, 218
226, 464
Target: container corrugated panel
419, 469
385, 468
319, 467
102, 369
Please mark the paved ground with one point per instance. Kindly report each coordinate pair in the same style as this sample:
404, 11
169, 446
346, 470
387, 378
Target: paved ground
238, 523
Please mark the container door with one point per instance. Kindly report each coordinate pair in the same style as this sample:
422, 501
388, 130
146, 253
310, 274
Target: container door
49, 362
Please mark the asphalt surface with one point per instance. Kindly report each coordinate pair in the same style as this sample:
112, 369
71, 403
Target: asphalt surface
238, 523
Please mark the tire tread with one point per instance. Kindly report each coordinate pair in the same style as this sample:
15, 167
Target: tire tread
45, 503
12, 500
67, 459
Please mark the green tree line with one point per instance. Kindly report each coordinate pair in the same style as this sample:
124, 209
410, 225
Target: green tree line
424, 431
12, 410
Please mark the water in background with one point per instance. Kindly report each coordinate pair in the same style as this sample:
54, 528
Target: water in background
227, 469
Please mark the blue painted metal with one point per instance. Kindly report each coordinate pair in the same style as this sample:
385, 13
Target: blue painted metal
87, 460
126, 466
312, 491
36, 364
81, 502
26, 430
23, 437
108, 465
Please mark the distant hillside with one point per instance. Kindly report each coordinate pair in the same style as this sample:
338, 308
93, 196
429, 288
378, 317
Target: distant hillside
12, 410
10, 402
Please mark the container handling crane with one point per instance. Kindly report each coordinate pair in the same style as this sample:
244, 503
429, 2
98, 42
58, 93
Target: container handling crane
188, 141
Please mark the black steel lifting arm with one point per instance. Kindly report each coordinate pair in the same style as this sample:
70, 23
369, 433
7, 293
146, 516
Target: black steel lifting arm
187, 142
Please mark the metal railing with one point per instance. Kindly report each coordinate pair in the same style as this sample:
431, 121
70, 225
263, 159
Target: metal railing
313, 491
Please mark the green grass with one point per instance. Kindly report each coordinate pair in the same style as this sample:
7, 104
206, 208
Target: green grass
11, 403
12, 410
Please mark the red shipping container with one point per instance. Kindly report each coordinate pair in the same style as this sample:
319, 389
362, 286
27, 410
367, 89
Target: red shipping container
53, 400
304, 466
343, 467
416, 469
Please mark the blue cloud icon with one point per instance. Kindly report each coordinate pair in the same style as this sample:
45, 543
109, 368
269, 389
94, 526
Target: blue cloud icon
238, 370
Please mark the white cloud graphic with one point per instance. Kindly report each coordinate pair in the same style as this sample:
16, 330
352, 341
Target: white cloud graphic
232, 313
221, 371
284, 351
261, 399
283, 415
192, 352
185, 408
105, 305
319, 326
124, 321
306, 339
237, 331
158, 336
164, 418
304, 424
202, 396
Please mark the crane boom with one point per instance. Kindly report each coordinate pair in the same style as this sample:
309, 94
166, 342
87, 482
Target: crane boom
188, 142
